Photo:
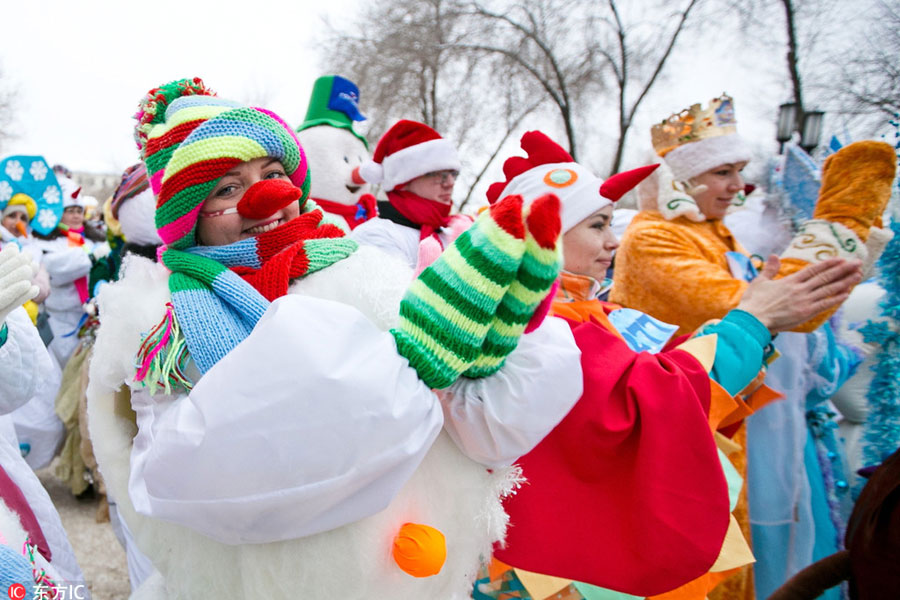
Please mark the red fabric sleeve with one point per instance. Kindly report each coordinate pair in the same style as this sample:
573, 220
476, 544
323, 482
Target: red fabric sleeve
627, 492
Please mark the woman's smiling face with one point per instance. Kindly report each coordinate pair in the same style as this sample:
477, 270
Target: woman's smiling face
722, 184
588, 247
218, 225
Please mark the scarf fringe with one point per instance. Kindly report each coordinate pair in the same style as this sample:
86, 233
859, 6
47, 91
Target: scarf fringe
47, 587
163, 356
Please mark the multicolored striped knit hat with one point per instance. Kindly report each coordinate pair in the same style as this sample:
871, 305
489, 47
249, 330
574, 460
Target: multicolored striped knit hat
189, 139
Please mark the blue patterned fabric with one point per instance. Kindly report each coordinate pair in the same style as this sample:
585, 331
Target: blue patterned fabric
31, 176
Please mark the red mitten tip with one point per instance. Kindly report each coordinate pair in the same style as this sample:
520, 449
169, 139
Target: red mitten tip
543, 221
508, 214
265, 198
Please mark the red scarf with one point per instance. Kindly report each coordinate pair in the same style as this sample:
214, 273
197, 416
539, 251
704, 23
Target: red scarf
354, 214
431, 215
282, 253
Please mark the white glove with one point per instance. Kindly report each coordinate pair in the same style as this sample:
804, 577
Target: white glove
101, 251
16, 272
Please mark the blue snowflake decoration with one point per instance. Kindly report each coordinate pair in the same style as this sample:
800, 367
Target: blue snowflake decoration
30, 175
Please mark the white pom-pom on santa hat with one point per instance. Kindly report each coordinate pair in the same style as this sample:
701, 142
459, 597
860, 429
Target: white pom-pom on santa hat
371, 171
408, 150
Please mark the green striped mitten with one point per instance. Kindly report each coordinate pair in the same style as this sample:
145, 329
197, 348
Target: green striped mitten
534, 281
447, 310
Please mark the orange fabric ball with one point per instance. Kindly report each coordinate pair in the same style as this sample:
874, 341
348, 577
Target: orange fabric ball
419, 550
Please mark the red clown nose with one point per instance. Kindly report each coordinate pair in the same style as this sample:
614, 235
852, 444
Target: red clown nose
265, 198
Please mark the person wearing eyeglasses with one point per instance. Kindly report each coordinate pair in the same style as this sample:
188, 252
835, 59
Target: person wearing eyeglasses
417, 169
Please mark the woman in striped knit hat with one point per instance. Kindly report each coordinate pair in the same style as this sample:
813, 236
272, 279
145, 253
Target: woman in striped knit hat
283, 438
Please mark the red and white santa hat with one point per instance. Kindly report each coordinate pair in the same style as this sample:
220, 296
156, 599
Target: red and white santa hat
549, 169
408, 150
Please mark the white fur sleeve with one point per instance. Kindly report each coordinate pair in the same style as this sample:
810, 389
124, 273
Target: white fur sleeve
23, 361
66, 265
312, 422
390, 237
497, 419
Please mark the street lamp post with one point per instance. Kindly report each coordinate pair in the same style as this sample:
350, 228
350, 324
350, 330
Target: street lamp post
812, 130
807, 123
787, 121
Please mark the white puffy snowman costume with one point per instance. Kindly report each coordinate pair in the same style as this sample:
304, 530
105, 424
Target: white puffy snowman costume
25, 367
288, 469
68, 266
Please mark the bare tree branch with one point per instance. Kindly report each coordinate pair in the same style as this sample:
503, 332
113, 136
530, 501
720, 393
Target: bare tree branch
793, 58
625, 120
558, 90
511, 127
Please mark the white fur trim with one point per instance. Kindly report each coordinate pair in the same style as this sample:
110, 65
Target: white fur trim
414, 161
694, 158
673, 199
579, 200
875, 245
819, 240
371, 171
69, 201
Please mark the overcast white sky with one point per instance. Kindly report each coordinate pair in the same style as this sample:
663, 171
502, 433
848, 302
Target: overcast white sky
80, 67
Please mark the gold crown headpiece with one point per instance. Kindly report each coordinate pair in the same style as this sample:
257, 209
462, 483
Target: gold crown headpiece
694, 124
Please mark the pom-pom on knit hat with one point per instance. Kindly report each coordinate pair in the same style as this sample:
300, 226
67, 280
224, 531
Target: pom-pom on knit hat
189, 139
408, 150
549, 169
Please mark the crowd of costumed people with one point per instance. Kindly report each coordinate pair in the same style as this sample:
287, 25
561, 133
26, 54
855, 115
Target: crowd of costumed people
288, 368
